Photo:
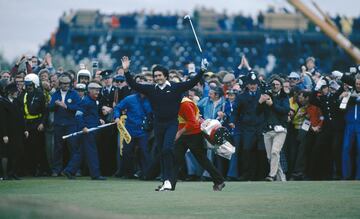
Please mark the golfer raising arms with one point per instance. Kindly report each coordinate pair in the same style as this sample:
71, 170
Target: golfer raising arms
165, 98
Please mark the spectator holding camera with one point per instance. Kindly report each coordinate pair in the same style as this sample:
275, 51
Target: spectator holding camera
275, 106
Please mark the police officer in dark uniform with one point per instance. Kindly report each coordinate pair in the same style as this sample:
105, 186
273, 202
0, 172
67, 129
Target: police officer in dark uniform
107, 138
64, 102
35, 113
248, 122
122, 91
12, 132
327, 149
106, 96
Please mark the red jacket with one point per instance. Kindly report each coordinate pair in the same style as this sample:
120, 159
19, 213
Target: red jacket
189, 117
315, 115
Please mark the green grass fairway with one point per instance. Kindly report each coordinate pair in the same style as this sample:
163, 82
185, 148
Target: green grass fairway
83, 198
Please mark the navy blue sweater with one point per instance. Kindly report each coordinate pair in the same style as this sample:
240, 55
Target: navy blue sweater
165, 103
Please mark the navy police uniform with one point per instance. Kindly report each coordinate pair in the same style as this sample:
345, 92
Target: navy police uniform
249, 122
107, 139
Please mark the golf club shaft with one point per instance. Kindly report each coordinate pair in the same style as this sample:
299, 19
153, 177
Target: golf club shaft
197, 41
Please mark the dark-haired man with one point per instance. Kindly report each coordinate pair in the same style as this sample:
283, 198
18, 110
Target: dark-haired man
165, 99
276, 108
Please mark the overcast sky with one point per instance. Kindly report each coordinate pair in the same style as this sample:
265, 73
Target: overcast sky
26, 24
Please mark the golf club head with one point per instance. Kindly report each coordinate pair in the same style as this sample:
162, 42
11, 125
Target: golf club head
187, 17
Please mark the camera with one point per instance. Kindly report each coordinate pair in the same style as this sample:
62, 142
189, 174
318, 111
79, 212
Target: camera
265, 88
353, 70
95, 64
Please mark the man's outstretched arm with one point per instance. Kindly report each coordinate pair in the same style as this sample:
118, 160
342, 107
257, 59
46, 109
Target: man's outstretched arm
142, 88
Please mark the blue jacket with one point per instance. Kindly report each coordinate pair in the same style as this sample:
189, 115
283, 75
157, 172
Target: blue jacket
65, 117
308, 83
352, 115
206, 106
87, 114
136, 110
228, 110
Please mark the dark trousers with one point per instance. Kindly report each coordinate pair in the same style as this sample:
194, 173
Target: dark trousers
59, 131
165, 133
14, 151
77, 154
107, 146
254, 162
35, 153
297, 152
336, 152
88, 142
320, 160
127, 160
309, 146
196, 145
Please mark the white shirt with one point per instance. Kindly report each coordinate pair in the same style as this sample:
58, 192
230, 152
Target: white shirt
109, 89
63, 95
167, 83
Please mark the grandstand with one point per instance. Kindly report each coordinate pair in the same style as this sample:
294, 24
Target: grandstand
275, 42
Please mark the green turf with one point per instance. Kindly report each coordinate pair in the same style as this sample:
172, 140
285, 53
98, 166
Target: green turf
61, 198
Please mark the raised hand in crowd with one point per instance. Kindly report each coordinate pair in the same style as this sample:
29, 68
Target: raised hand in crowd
21, 59
125, 61
244, 63
204, 64
48, 59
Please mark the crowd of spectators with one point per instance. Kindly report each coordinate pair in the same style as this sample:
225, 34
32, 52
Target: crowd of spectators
318, 116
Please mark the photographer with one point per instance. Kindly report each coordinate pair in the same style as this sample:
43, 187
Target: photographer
275, 105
